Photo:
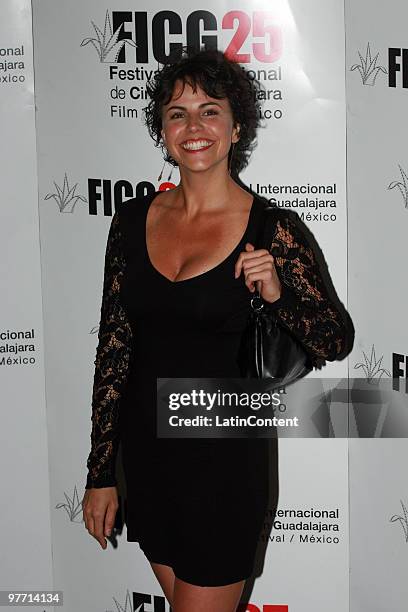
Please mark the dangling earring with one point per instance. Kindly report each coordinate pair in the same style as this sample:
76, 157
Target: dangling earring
159, 178
230, 161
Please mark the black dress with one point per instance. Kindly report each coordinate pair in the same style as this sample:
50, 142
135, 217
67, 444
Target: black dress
198, 504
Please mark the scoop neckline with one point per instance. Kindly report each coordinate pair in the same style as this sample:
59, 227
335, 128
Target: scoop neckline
202, 274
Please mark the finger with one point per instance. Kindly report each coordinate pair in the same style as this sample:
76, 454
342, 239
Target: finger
254, 263
252, 285
256, 266
98, 531
90, 525
257, 277
253, 273
110, 519
248, 255
83, 505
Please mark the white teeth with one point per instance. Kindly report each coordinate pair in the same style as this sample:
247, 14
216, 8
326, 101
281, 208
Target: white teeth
196, 145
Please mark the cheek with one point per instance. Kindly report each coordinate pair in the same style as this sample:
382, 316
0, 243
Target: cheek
223, 128
172, 132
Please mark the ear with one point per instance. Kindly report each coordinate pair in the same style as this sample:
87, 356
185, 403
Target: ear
163, 135
236, 133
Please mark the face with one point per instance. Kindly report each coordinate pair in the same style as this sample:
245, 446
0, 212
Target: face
198, 130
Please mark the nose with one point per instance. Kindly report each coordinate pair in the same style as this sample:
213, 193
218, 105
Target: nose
194, 123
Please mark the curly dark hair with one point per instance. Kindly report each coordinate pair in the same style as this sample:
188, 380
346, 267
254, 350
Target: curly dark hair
219, 77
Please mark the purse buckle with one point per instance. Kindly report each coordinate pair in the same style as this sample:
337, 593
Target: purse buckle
253, 299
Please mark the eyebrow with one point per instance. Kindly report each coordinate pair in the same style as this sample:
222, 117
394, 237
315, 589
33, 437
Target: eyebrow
200, 106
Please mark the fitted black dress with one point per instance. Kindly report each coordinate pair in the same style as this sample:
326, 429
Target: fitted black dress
197, 505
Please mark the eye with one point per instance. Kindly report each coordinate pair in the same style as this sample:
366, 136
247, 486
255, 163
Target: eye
211, 111
176, 115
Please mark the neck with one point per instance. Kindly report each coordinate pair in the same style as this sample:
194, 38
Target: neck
200, 191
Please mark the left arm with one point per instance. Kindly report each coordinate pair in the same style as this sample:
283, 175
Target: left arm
304, 305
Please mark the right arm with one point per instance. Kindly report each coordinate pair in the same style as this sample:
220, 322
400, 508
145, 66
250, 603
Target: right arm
111, 366
111, 371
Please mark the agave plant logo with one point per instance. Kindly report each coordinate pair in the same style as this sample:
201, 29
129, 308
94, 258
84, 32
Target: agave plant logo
65, 196
402, 519
128, 604
371, 367
139, 601
106, 43
367, 67
402, 185
72, 506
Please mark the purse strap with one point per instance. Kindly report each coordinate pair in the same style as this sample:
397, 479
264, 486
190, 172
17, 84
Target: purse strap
262, 241
268, 218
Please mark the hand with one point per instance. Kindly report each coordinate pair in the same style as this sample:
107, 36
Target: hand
259, 270
99, 508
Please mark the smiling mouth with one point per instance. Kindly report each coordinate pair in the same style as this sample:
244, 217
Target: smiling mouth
196, 145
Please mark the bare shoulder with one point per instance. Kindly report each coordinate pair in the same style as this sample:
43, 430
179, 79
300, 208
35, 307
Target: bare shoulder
163, 202
165, 198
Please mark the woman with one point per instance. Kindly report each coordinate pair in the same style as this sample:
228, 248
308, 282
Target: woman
179, 269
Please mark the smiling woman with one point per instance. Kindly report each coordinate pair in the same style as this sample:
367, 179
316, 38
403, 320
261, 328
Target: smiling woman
180, 267
225, 91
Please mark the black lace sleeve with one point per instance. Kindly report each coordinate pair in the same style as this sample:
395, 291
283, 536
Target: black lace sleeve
111, 366
304, 305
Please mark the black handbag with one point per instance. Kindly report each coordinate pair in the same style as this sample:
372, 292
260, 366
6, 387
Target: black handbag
268, 350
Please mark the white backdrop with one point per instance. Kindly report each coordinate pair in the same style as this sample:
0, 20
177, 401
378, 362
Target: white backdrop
25, 550
377, 132
81, 136
89, 143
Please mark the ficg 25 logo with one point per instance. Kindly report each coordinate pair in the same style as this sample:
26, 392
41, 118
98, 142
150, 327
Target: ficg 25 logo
245, 36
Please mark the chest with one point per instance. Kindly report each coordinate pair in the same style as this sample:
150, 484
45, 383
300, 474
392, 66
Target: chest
180, 249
